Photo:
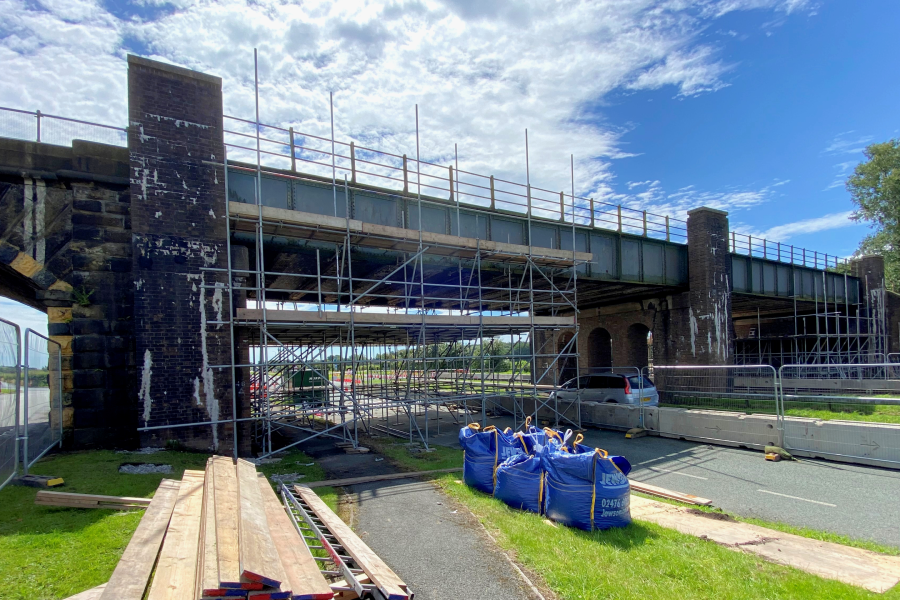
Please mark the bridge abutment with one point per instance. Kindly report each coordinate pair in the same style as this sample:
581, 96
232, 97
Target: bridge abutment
179, 231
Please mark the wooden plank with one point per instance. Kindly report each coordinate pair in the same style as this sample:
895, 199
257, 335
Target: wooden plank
259, 558
303, 575
646, 488
175, 577
91, 594
226, 491
207, 558
371, 478
46, 498
387, 582
130, 577
412, 320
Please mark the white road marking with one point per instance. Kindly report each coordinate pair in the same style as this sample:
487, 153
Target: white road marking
797, 498
675, 472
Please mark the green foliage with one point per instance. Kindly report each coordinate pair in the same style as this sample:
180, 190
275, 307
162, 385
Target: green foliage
82, 295
875, 190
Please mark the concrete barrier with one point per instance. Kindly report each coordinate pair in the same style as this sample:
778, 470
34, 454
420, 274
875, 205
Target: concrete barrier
876, 444
722, 427
846, 441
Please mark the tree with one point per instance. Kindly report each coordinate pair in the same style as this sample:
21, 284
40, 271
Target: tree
875, 190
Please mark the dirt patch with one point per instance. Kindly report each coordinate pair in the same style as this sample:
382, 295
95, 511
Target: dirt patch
715, 516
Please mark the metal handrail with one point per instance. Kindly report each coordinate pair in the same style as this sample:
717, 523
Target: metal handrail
584, 211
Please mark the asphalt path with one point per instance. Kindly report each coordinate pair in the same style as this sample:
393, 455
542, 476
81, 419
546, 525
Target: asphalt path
857, 501
435, 546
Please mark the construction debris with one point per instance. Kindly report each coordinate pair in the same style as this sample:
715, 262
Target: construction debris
781, 452
38, 481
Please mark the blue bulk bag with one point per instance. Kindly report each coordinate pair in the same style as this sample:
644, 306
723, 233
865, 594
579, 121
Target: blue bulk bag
620, 461
483, 451
585, 488
520, 482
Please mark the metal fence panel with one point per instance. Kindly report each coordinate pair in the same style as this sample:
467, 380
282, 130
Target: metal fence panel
836, 411
42, 403
736, 405
609, 415
10, 355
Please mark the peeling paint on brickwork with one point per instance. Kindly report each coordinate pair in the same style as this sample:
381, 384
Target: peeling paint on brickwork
144, 393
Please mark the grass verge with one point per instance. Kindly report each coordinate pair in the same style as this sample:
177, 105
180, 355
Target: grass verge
52, 553
823, 411
642, 561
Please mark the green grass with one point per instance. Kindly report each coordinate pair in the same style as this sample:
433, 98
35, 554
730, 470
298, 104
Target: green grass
878, 413
51, 553
641, 561
823, 411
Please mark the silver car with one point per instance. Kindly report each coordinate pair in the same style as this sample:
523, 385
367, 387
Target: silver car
610, 387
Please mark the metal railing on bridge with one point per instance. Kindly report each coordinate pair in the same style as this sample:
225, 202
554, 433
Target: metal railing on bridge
53, 129
283, 148
757, 247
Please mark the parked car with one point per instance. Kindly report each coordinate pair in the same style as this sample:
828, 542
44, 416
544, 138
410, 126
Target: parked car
610, 387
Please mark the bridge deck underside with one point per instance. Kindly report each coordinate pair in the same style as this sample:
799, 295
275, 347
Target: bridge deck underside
305, 262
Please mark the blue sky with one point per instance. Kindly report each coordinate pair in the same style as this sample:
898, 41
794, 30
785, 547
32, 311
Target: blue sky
803, 97
758, 107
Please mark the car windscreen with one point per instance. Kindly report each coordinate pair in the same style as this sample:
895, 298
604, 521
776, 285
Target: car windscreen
640, 382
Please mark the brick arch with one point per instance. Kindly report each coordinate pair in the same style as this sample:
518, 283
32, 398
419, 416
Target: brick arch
600, 348
638, 350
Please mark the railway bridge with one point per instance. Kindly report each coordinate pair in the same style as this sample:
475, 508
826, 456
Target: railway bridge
200, 271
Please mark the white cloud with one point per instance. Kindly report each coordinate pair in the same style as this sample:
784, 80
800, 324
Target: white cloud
847, 143
782, 233
841, 171
651, 196
480, 70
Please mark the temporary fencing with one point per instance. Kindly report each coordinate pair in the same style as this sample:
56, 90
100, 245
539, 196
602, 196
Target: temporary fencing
600, 411
10, 359
42, 398
715, 394
843, 411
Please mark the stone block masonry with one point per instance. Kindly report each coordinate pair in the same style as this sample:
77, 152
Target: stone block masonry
178, 230
64, 213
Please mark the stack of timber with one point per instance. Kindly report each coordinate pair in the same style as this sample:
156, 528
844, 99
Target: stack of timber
219, 533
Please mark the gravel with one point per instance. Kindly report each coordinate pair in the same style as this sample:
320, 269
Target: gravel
145, 469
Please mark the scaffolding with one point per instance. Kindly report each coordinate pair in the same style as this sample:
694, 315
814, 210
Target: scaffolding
350, 328
450, 327
828, 330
